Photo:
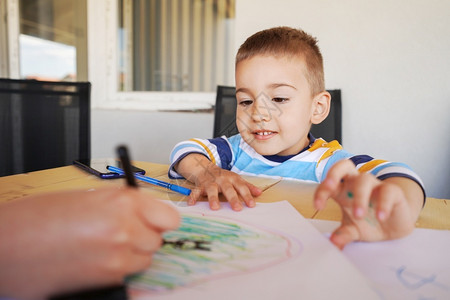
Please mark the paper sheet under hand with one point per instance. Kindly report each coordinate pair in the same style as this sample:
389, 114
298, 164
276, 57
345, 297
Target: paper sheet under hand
414, 267
266, 252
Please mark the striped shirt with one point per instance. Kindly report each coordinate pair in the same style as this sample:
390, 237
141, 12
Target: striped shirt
311, 164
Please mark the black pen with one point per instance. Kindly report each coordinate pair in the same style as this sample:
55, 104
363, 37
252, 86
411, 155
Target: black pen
122, 151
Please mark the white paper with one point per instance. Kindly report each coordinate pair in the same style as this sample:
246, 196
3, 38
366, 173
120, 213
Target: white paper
414, 267
275, 254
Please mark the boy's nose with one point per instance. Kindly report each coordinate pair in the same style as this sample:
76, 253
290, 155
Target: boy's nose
259, 115
260, 112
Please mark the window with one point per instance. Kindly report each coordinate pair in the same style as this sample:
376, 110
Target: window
5, 61
138, 54
175, 45
52, 40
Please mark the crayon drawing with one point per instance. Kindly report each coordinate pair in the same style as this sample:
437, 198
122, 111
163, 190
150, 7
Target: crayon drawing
205, 248
422, 284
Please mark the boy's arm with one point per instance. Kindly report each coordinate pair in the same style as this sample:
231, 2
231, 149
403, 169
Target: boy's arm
372, 209
212, 180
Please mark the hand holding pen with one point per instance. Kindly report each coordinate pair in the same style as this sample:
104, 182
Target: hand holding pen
142, 240
93, 264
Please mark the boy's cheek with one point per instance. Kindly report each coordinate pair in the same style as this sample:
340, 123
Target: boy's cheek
243, 124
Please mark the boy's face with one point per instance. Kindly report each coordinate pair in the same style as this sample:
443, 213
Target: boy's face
275, 105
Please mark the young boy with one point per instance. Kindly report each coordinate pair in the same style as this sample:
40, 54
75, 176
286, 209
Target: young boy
280, 92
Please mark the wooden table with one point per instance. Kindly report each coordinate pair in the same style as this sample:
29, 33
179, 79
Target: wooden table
435, 214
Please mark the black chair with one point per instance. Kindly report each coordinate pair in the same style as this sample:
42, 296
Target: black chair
225, 116
43, 124
331, 128
225, 112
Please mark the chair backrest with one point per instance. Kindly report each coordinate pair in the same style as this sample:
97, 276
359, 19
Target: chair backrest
225, 112
43, 124
331, 128
225, 116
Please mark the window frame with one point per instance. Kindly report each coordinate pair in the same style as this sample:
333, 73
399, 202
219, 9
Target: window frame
9, 38
102, 41
102, 24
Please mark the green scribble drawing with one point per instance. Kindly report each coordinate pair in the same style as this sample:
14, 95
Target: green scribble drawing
233, 248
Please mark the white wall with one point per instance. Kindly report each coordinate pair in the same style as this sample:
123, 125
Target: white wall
149, 135
389, 58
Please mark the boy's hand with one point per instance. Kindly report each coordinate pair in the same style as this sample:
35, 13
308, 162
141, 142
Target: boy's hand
211, 181
217, 181
372, 210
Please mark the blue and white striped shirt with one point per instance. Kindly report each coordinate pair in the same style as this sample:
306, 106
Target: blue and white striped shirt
311, 164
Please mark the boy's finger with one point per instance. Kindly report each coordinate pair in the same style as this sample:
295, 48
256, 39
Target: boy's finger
254, 190
343, 235
387, 197
194, 196
232, 197
212, 192
359, 190
246, 195
330, 186
323, 193
340, 170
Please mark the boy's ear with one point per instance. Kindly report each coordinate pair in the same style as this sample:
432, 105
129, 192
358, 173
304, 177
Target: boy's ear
321, 107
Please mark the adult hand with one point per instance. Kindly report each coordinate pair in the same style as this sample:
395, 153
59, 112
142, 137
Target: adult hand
67, 241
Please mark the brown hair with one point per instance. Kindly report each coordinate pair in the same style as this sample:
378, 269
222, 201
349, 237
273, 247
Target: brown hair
286, 41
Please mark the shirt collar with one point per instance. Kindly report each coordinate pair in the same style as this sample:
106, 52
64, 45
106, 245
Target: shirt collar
283, 158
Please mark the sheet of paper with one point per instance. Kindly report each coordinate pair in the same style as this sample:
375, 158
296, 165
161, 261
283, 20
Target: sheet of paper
414, 267
266, 252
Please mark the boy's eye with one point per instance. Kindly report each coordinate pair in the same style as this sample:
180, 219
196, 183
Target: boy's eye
280, 100
245, 102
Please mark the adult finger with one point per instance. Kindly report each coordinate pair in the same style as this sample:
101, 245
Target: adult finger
144, 239
156, 214
119, 262
137, 262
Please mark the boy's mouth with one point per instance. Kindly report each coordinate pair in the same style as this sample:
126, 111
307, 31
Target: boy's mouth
263, 134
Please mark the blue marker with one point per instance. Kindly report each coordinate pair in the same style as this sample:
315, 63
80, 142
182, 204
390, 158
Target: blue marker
172, 187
